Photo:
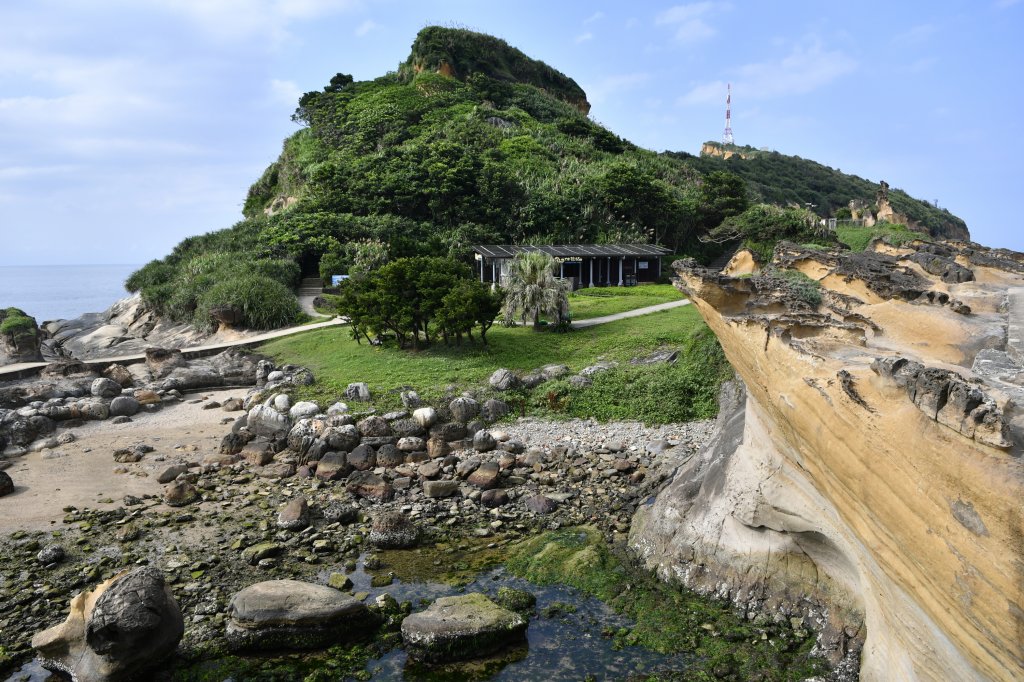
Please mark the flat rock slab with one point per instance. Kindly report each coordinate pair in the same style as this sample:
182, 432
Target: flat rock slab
291, 614
459, 628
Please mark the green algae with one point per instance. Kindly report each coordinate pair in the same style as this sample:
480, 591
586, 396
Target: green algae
667, 619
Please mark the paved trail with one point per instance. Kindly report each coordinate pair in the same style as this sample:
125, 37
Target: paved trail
630, 313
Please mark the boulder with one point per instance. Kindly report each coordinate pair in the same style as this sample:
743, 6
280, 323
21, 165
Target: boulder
374, 426
493, 498
232, 405
485, 476
503, 380
332, 466
598, 367
449, 431
304, 433
180, 493
464, 409
6, 484
405, 427
425, 416
393, 530
50, 554
303, 409
437, 448
120, 374
362, 458
146, 396
119, 631
290, 614
259, 452
554, 371
410, 399
282, 402
539, 504
124, 406
267, 422
411, 444
337, 408
295, 515
461, 627
370, 486
389, 456
483, 441
276, 471
342, 438
171, 473
358, 391
580, 381
435, 489
105, 388
233, 442
494, 409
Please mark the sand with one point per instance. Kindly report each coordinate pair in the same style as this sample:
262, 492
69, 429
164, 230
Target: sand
82, 474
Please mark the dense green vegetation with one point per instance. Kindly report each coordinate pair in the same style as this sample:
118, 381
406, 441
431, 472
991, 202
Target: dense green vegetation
414, 300
762, 226
600, 301
16, 323
784, 180
440, 370
667, 619
532, 290
858, 238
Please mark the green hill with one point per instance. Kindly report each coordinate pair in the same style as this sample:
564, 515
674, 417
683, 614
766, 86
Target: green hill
468, 141
776, 178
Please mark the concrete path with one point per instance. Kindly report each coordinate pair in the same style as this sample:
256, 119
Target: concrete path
24, 368
580, 324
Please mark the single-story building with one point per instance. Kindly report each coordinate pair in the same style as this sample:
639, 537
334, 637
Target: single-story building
588, 265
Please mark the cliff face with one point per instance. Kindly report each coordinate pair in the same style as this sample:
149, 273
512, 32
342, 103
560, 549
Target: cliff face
869, 479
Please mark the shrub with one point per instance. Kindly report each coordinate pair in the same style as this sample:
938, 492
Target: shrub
264, 303
800, 285
15, 322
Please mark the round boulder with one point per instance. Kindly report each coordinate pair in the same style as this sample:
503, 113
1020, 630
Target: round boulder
483, 441
425, 416
124, 406
503, 380
105, 388
464, 409
303, 409
6, 484
393, 530
374, 426
123, 629
363, 458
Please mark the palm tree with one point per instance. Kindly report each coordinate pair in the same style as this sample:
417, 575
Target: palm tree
532, 290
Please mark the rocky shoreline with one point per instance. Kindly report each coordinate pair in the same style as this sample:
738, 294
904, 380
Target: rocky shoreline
284, 491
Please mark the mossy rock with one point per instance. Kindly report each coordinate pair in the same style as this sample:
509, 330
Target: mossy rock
460, 628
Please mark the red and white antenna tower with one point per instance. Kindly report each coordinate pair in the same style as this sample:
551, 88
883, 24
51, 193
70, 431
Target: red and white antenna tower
727, 138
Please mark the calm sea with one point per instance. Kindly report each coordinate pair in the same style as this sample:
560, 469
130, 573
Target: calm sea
53, 292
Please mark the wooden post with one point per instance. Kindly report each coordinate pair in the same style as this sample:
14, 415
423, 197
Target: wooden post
621, 259
591, 271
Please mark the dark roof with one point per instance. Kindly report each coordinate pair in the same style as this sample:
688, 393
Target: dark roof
573, 250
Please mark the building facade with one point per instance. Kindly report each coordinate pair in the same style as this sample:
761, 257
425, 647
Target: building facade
587, 265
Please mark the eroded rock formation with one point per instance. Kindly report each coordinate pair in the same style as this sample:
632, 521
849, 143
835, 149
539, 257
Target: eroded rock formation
868, 478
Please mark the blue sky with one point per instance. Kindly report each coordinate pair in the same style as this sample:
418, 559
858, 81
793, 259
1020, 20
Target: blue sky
126, 125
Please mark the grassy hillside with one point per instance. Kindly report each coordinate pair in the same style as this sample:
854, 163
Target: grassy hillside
776, 178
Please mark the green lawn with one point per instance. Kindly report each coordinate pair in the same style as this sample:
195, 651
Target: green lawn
600, 301
337, 360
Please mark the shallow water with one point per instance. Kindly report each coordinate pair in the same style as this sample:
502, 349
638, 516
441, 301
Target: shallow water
570, 645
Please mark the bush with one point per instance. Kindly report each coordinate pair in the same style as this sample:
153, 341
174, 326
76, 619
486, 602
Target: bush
800, 285
264, 303
15, 322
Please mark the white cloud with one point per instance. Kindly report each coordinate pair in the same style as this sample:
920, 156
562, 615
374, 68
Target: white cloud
366, 27
690, 20
596, 16
584, 37
803, 70
244, 19
610, 86
285, 92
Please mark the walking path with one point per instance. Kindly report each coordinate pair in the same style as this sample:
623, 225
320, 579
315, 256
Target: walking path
23, 369
580, 324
